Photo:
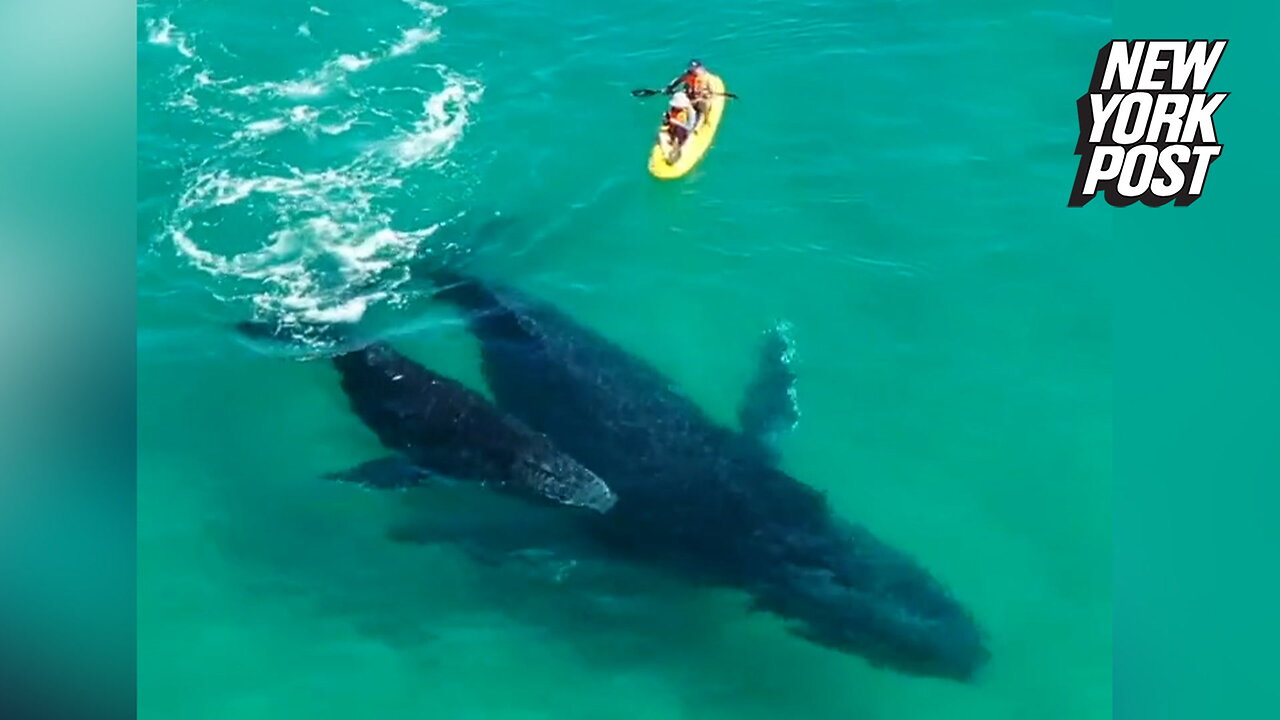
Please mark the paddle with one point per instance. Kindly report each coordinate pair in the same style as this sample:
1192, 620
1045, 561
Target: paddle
646, 92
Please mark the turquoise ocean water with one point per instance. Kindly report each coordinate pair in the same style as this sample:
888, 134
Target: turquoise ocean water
892, 183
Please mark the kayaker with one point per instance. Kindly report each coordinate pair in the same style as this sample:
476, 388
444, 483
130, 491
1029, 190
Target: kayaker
695, 84
679, 121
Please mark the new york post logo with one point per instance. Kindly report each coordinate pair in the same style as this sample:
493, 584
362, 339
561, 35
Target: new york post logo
1146, 124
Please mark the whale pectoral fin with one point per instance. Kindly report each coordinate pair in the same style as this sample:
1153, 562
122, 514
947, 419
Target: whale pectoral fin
769, 407
388, 473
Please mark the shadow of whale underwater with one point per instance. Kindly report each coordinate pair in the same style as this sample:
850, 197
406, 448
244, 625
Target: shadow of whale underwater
707, 500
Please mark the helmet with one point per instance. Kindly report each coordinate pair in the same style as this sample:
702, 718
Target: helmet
680, 100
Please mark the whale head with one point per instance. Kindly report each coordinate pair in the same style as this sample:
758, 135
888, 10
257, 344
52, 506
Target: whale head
854, 594
562, 479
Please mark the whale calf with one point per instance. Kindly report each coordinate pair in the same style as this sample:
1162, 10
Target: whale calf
707, 500
438, 427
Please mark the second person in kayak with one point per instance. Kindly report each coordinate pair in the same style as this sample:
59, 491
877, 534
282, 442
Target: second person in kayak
679, 122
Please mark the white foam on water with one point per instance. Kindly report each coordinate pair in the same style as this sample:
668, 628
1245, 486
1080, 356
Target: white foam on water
414, 38
338, 128
348, 312
301, 88
185, 100
351, 63
429, 10
164, 32
202, 80
321, 262
445, 116
312, 86
304, 30
319, 11
336, 71
329, 246
300, 116
260, 128
303, 114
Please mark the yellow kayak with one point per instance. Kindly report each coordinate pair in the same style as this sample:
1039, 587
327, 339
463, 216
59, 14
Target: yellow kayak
697, 144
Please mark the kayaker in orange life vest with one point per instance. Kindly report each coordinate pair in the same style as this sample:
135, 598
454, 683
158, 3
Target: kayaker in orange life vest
679, 121
695, 86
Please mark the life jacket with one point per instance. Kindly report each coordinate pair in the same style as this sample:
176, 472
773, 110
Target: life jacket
694, 81
678, 116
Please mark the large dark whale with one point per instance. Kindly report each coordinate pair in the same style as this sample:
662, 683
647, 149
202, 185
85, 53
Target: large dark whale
708, 500
438, 427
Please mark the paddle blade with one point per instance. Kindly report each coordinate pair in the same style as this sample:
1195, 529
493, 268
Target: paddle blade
644, 92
